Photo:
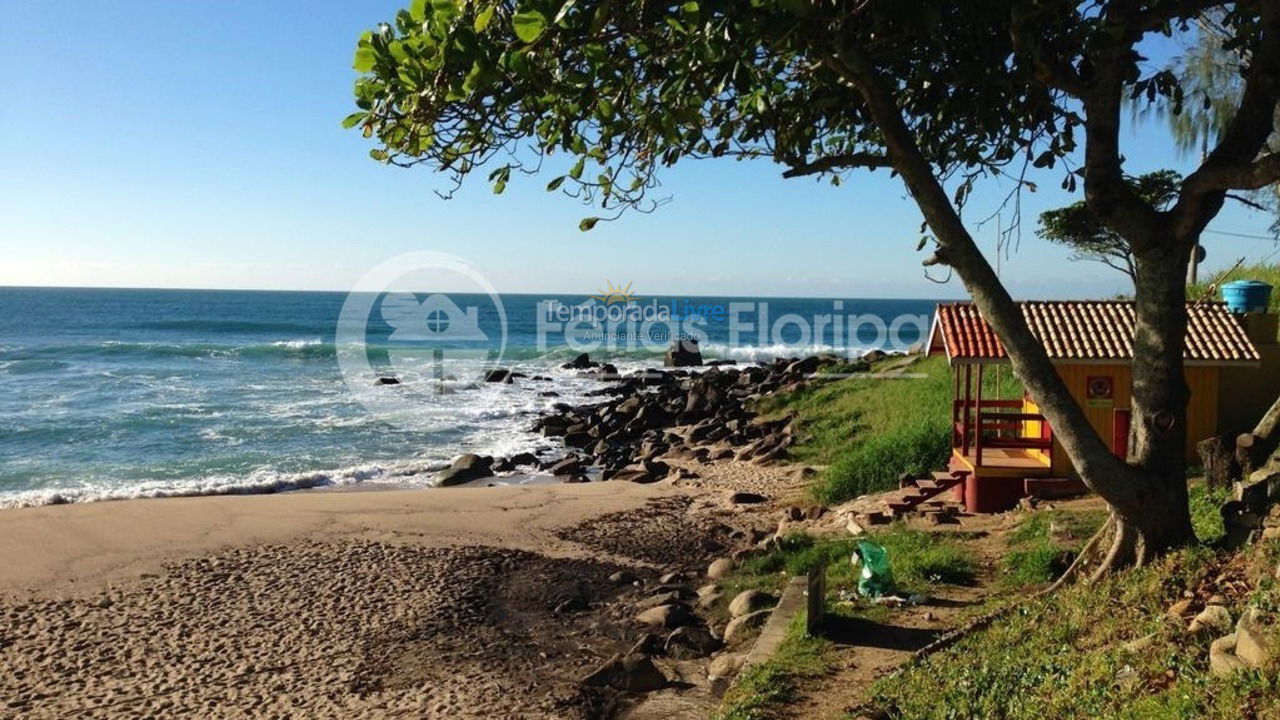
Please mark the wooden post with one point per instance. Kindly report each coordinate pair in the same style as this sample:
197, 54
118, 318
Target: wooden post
977, 436
964, 418
817, 598
955, 407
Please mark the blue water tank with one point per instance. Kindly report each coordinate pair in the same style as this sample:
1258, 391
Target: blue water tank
1245, 296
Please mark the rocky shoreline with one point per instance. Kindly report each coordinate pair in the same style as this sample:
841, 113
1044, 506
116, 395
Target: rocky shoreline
650, 418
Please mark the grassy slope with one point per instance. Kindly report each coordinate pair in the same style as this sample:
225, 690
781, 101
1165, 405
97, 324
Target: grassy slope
1064, 656
868, 431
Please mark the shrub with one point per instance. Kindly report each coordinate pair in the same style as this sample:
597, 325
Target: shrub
876, 463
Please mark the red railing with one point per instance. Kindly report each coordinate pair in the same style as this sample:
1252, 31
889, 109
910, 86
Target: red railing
973, 425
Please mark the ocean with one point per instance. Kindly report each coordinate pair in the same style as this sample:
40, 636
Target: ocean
121, 393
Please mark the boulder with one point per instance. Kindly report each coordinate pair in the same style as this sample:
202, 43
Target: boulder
672, 615
691, 642
720, 568
739, 627
1213, 617
623, 577
683, 353
581, 362
523, 459
1222, 656
1180, 609
498, 375
386, 381
661, 598
1253, 643
633, 672
465, 468
807, 366
725, 665
749, 601
567, 466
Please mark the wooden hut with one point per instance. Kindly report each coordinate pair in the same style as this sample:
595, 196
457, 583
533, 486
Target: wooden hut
1004, 449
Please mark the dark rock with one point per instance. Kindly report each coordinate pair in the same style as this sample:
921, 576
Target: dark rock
747, 498
524, 458
582, 362
683, 353
630, 673
498, 375
671, 615
386, 381
567, 466
691, 642
465, 468
623, 577
807, 366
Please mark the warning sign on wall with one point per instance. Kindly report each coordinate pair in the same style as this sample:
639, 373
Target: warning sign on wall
1100, 391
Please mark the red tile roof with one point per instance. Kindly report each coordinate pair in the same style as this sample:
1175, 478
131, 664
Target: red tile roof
1089, 331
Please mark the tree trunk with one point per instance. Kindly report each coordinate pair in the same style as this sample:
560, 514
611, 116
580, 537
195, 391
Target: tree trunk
1217, 456
1159, 511
1147, 495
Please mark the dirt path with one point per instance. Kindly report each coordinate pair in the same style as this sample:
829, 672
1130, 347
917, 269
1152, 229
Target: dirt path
867, 650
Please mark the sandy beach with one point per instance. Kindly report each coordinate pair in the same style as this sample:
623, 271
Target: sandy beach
465, 602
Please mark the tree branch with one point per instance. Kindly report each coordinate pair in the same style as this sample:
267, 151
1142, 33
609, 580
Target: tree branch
1106, 192
1234, 163
1240, 177
837, 162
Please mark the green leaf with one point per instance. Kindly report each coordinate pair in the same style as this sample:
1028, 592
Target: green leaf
483, 18
365, 59
499, 186
529, 25
418, 10
576, 171
605, 108
353, 119
690, 7
555, 184
588, 223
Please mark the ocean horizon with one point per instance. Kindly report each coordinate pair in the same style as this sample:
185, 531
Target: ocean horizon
111, 393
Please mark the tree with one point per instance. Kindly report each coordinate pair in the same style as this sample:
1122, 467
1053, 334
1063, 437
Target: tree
1210, 73
938, 93
1076, 227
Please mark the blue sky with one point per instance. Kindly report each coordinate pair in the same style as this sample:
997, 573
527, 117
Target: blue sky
197, 144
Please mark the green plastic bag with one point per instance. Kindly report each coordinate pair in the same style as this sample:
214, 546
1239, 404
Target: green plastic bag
876, 578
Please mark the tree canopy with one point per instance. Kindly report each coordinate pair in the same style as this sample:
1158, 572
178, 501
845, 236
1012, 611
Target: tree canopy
1077, 227
938, 92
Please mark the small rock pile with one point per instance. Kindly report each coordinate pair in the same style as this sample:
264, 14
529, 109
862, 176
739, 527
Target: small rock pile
667, 613
1254, 513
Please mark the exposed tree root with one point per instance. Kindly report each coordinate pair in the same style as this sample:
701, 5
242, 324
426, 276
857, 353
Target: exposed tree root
1123, 550
1081, 558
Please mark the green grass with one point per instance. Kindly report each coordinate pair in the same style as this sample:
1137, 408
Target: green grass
868, 431
1206, 512
919, 560
762, 691
1064, 657
1043, 546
